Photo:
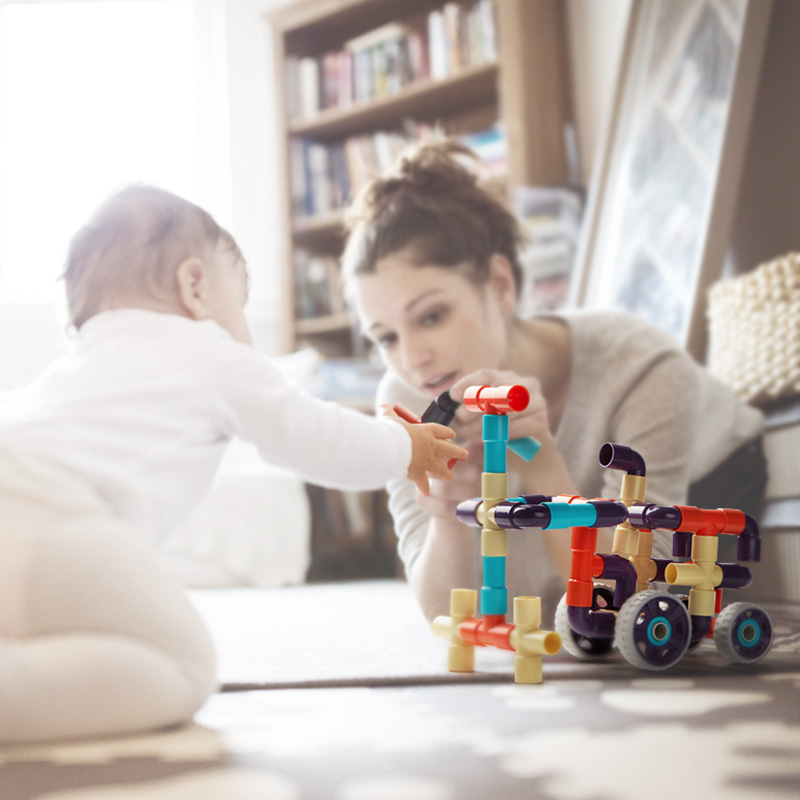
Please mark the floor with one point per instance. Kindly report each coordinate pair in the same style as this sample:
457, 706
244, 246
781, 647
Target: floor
705, 729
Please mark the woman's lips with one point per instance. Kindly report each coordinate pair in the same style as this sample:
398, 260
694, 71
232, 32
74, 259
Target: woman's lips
441, 383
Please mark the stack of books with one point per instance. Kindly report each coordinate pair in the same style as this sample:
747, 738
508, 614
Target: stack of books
551, 219
317, 290
325, 176
384, 61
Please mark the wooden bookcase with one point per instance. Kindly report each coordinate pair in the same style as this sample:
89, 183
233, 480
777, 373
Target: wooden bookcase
524, 87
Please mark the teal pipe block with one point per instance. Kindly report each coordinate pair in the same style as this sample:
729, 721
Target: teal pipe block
568, 515
526, 447
495, 428
494, 601
494, 457
494, 571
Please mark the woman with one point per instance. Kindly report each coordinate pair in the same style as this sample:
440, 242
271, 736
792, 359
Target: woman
432, 267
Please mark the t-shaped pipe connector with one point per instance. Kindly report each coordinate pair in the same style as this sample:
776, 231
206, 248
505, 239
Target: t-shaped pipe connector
496, 399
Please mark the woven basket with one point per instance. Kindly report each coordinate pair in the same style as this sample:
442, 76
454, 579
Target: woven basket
754, 331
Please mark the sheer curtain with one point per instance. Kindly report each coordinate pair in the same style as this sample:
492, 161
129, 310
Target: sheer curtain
100, 93
94, 95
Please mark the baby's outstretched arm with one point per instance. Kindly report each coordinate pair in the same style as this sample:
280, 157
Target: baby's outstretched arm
431, 451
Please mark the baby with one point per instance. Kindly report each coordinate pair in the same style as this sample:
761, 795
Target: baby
107, 452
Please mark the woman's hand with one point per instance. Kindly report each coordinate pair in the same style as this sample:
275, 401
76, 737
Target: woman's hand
532, 421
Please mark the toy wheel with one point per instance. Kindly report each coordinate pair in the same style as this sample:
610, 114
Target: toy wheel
743, 633
584, 648
653, 630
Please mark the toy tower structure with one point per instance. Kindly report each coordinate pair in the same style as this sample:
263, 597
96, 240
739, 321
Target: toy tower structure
464, 629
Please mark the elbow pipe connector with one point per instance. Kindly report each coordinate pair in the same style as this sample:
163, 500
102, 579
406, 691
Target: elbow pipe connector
700, 628
748, 547
622, 457
594, 624
623, 573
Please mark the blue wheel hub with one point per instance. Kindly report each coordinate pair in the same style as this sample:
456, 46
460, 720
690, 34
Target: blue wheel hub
662, 631
752, 633
659, 631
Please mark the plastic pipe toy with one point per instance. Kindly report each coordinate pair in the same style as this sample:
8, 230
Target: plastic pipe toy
463, 628
654, 629
443, 409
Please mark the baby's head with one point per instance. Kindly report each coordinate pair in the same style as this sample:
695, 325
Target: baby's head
148, 248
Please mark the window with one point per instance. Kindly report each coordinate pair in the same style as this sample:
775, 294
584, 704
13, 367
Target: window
93, 95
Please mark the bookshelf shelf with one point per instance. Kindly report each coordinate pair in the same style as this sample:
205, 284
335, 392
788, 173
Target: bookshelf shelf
472, 87
320, 233
319, 224
505, 76
331, 323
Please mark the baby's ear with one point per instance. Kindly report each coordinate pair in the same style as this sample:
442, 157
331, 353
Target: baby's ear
192, 279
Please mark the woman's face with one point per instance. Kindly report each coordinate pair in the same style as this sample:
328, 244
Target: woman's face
433, 325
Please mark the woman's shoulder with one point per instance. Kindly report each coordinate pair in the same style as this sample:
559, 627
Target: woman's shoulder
600, 328
618, 342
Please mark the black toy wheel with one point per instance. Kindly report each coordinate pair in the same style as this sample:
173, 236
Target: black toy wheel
743, 633
653, 630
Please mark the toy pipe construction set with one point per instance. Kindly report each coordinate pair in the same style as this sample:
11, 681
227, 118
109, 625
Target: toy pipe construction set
651, 628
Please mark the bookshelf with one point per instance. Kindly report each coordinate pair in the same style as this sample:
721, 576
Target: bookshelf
520, 80
355, 79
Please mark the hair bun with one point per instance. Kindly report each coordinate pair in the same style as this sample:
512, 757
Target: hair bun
443, 165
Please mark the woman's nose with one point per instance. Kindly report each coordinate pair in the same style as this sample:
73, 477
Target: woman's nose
415, 353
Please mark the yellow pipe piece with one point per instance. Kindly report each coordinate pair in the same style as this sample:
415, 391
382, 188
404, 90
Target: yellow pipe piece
529, 641
702, 574
463, 604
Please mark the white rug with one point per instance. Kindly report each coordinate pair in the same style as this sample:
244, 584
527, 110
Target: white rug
335, 634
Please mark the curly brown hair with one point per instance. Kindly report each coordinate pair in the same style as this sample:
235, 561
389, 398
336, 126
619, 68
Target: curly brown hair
433, 204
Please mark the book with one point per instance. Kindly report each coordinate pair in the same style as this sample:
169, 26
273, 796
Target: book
551, 218
437, 45
308, 86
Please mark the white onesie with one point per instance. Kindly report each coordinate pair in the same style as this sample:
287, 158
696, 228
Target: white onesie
105, 455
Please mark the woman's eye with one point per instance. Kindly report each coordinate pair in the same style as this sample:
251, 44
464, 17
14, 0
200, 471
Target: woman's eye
433, 317
386, 340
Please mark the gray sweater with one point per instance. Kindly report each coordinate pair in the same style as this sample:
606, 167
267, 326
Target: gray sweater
629, 384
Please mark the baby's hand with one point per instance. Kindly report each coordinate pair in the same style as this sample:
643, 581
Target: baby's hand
446, 495
430, 451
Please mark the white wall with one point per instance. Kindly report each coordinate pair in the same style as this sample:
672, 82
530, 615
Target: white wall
596, 35
254, 150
